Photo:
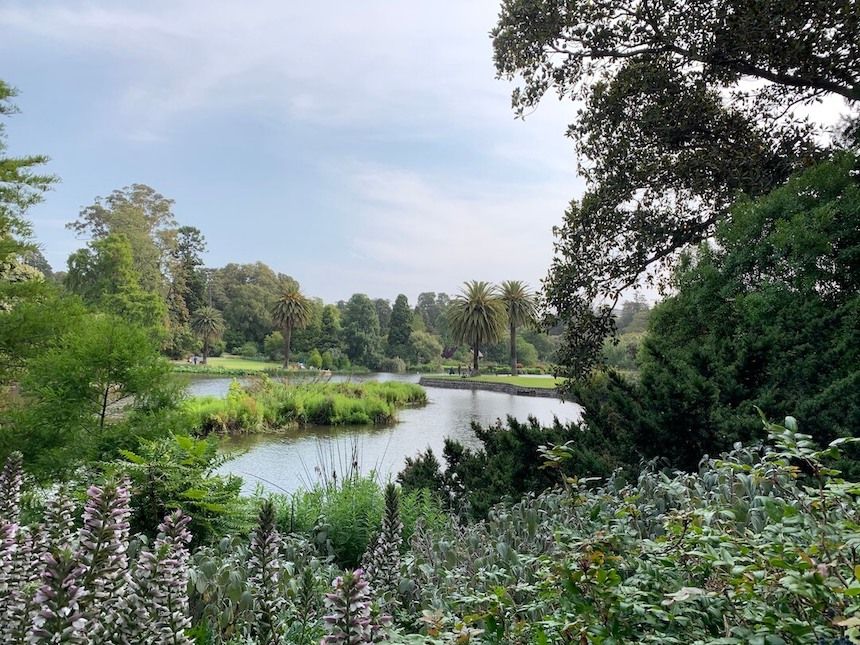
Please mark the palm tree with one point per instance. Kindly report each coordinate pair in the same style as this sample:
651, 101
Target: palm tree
477, 317
208, 323
521, 309
290, 310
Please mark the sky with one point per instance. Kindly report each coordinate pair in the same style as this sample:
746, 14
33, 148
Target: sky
356, 146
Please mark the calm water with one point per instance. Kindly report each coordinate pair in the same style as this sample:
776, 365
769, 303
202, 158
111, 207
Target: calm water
294, 459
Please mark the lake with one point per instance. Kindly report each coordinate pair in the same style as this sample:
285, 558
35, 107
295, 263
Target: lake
291, 460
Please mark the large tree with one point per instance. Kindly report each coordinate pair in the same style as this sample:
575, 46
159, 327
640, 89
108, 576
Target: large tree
521, 310
208, 324
682, 107
291, 310
145, 218
361, 332
477, 317
103, 274
400, 329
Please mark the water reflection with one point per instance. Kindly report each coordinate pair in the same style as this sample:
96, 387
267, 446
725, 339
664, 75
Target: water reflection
288, 461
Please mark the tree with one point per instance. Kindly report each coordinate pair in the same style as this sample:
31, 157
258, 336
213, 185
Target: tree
290, 310
104, 276
477, 317
99, 366
245, 294
361, 331
424, 347
21, 187
683, 108
521, 310
383, 312
400, 328
208, 324
330, 330
766, 317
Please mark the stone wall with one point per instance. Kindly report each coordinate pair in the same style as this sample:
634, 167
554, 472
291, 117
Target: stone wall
506, 388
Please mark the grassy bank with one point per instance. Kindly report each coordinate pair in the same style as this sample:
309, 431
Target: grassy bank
539, 382
229, 365
271, 405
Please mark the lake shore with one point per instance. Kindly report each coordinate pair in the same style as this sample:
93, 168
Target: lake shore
517, 388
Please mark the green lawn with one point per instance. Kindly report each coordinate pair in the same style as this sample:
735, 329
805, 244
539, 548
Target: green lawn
238, 363
537, 382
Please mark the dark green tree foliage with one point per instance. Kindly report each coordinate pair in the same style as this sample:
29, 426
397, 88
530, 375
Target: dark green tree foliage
245, 294
683, 107
509, 462
383, 312
185, 288
330, 331
308, 338
400, 329
178, 472
21, 187
769, 316
104, 276
361, 331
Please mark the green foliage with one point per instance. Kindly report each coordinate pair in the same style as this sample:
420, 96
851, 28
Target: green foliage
291, 310
681, 110
477, 317
361, 332
178, 472
100, 367
508, 464
343, 516
315, 358
765, 318
270, 405
208, 324
21, 187
400, 329
394, 365
425, 348
248, 350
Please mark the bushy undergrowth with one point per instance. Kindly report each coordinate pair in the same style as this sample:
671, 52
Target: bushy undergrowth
341, 517
761, 546
270, 405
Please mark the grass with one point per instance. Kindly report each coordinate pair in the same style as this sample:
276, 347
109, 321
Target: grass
229, 365
536, 382
271, 405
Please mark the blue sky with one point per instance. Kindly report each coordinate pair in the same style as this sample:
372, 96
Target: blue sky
357, 146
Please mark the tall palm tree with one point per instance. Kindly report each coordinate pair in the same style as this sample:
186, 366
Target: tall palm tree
208, 323
521, 308
477, 317
291, 310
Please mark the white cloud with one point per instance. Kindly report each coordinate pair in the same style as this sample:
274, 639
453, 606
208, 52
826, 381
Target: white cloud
435, 233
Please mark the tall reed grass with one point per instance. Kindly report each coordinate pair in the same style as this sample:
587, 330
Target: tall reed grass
270, 405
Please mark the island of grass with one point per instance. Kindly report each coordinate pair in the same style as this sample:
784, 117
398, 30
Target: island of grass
545, 386
269, 406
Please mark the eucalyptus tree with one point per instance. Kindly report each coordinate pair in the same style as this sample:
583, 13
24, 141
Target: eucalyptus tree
208, 323
477, 317
291, 310
521, 310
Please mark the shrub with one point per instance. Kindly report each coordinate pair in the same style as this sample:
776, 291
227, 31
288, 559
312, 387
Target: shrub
394, 365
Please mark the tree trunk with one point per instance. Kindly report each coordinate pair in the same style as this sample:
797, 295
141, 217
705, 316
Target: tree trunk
205, 348
288, 333
475, 352
513, 350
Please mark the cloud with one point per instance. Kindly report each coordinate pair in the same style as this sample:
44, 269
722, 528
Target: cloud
437, 232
